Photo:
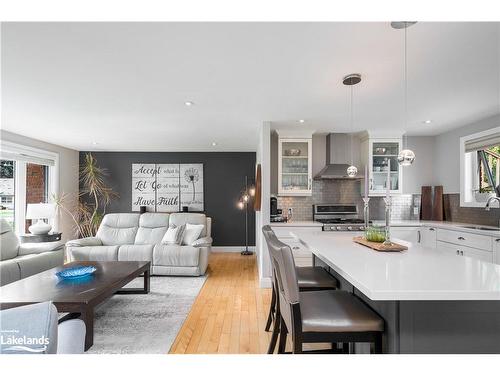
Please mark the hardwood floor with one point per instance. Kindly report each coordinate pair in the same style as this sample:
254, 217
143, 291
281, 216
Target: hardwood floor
230, 312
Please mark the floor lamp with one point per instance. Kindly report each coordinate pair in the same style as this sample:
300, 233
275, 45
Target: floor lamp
243, 203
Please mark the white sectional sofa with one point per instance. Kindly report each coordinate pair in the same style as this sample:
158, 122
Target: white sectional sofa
138, 237
18, 261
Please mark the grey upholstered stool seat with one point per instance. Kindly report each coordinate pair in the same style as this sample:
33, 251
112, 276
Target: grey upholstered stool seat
315, 278
337, 311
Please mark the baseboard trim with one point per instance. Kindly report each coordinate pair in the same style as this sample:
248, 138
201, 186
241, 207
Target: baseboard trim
231, 249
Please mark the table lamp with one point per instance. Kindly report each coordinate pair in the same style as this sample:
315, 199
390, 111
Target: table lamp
40, 211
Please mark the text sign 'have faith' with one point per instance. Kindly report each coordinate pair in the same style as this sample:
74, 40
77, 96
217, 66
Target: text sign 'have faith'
167, 187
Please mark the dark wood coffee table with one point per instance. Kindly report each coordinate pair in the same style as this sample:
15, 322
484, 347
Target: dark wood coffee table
78, 298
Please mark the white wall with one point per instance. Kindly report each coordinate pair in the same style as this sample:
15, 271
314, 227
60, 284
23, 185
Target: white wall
421, 172
68, 174
262, 217
447, 153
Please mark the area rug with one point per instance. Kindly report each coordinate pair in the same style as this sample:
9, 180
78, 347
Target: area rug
145, 323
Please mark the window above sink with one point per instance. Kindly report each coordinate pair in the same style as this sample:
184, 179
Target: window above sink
479, 167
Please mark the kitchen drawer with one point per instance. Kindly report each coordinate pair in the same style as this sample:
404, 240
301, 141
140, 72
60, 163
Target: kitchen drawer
283, 232
477, 241
470, 252
301, 255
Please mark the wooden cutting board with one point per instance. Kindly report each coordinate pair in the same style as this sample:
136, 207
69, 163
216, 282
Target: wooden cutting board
394, 247
426, 203
437, 204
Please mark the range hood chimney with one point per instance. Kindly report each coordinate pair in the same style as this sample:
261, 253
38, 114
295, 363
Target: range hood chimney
338, 157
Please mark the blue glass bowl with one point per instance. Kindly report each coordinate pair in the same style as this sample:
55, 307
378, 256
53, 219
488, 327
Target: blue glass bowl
76, 272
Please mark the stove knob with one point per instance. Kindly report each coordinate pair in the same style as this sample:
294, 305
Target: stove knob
349, 228
362, 227
339, 228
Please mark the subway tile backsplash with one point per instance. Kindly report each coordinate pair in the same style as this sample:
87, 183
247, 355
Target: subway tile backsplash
347, 191
403, 205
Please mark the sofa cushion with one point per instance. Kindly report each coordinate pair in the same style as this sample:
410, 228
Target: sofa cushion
9, 271
174, 235
135, 252
192, 233
98, 253
180, 218
118, 229
40, 247
9, 243
175, 255
35, 263
152, 228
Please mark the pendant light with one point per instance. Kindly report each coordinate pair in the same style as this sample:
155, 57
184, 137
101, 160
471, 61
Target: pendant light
351, 80
406, 156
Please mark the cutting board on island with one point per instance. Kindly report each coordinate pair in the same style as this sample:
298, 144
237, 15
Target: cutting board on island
379, 246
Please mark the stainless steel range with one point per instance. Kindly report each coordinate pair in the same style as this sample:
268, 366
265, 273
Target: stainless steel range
338, 217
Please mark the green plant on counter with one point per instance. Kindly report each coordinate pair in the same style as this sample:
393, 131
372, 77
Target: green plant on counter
375, 234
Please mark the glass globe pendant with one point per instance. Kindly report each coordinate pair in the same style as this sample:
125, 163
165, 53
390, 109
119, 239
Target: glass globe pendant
351, 80
352, 171
406, 157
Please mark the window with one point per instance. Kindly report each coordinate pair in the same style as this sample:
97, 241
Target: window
480, 169
7, 190
27, 175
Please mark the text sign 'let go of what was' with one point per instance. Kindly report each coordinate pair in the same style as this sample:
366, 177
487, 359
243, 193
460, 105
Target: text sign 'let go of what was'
167, 187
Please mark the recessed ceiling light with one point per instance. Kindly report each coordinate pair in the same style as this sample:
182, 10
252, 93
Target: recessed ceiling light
214, 143
189, 104
302, 121
428, 122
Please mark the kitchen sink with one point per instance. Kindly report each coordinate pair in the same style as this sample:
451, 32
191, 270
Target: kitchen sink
480, 228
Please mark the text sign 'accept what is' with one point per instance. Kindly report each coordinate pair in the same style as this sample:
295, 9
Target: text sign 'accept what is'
167, 187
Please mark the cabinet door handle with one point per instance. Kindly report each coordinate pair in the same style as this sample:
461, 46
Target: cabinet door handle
461, 238
418, 237
497, 240
295, 248
458, 252
432, 229
461, 252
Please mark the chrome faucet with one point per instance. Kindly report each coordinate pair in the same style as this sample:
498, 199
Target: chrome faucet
487, 208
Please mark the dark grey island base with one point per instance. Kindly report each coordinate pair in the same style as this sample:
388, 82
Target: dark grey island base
433, 327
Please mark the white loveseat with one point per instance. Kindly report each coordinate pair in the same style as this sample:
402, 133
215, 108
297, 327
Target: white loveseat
138, 237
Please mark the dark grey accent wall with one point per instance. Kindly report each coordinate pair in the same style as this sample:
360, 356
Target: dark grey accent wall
224, 174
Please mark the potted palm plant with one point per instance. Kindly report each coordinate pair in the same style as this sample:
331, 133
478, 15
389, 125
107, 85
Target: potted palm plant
94, 197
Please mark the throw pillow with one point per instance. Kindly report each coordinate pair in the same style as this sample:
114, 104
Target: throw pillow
174, 235
192, 233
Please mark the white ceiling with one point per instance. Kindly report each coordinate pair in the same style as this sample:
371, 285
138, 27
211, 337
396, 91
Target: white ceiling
124, 85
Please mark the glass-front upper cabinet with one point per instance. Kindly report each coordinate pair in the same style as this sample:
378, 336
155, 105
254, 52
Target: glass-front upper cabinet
294, 167
380, 152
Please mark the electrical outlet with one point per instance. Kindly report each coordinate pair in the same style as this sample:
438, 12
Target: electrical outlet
290, 211
415, 210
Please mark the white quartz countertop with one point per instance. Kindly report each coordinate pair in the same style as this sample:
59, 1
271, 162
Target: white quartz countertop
419, 273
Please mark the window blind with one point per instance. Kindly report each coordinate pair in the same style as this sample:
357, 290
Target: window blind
8, 155
482, 142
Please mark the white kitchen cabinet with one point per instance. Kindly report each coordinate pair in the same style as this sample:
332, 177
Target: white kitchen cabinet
409, 234
378, 151
301, 255
477, 241
470, 252
295, 166
496, 249
428, 237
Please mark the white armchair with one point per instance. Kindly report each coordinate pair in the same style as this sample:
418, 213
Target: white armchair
18, 261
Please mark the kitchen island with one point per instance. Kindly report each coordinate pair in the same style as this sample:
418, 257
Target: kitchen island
431, 302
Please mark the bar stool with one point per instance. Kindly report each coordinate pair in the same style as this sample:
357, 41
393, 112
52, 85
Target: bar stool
318, 316
308, 278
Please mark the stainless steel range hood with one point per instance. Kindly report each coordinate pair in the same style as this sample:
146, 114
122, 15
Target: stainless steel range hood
338, 156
